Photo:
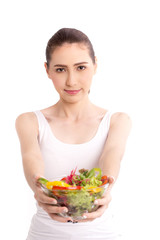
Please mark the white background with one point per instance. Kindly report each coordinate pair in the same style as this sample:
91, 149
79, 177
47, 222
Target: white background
126, 39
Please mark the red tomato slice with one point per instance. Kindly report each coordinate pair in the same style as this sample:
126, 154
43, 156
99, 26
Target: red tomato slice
104, 180
63, 179
66, 188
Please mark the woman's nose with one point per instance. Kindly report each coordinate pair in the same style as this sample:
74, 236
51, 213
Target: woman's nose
71, 79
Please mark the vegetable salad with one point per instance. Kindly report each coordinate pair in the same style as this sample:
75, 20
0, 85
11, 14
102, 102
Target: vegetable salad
77, 192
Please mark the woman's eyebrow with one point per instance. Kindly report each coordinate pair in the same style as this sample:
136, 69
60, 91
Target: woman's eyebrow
62, 65
80, 63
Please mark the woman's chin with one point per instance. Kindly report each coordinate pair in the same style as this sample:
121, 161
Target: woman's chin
74, 98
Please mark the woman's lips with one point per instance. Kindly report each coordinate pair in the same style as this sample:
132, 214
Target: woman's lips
72, 92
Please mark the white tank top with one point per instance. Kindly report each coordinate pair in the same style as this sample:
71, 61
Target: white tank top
59, 159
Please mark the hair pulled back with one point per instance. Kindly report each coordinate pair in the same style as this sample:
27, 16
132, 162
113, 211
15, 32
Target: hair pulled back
68, 35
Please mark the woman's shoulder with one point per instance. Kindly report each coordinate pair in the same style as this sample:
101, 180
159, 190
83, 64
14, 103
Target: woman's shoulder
120, 115
121, 118
26, 116
27, 120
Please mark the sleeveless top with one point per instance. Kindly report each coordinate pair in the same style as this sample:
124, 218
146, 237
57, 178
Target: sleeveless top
59, 159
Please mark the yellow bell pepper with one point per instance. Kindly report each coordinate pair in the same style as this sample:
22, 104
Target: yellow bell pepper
94, 189
50, 185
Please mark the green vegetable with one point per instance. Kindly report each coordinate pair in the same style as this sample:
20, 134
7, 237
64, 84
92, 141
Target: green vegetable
95, 172
43, 181
81, 201
95, 182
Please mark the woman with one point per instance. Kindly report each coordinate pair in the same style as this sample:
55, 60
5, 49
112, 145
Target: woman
73, 132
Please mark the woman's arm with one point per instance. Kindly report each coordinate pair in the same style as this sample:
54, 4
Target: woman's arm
27, 130
111, 158
114, 148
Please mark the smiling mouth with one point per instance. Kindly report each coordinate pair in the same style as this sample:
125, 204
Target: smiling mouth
72, 92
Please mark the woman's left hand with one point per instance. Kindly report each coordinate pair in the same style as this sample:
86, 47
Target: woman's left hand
103, 203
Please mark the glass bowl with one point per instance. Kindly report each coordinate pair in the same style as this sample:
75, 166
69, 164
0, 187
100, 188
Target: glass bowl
76, 201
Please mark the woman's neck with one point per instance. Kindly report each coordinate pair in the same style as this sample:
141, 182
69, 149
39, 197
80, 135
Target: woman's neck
74, 111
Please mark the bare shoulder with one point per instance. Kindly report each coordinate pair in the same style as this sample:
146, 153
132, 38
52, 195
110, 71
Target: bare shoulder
26, 117
121, 120
26, 121
120, 117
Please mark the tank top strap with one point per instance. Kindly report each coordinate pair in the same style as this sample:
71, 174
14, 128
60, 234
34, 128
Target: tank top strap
107, 118
105, 123
41, 123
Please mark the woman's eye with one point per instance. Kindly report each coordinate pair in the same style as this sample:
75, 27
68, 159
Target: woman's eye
60, 70
81, 67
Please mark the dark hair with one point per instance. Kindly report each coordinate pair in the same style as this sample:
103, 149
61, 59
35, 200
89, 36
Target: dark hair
68, 35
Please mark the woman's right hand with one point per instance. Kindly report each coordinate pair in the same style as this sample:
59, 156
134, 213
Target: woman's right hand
47, 203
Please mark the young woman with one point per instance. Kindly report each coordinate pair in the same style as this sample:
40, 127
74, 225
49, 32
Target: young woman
73, 132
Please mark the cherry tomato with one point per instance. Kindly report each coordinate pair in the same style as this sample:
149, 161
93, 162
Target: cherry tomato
104, 180
63, 179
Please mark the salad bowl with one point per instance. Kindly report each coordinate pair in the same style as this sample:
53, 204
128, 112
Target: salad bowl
78, 199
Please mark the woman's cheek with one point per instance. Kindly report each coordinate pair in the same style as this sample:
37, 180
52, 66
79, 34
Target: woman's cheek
87, 78
57, 82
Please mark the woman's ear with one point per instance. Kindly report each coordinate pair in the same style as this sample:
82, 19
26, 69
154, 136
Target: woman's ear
46, 67
95, 65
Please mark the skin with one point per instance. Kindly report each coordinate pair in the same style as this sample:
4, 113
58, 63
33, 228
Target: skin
79, 117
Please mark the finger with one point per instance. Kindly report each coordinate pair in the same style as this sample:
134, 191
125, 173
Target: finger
43, 198
103, 203
104, 200
35, 179
111, 181
53, 209
38, 176
96, 214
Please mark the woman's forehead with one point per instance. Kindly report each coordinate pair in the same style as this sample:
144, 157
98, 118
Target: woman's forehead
71, 51
77, 46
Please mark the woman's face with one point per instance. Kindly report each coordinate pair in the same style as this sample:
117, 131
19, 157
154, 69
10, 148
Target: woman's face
71, 70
